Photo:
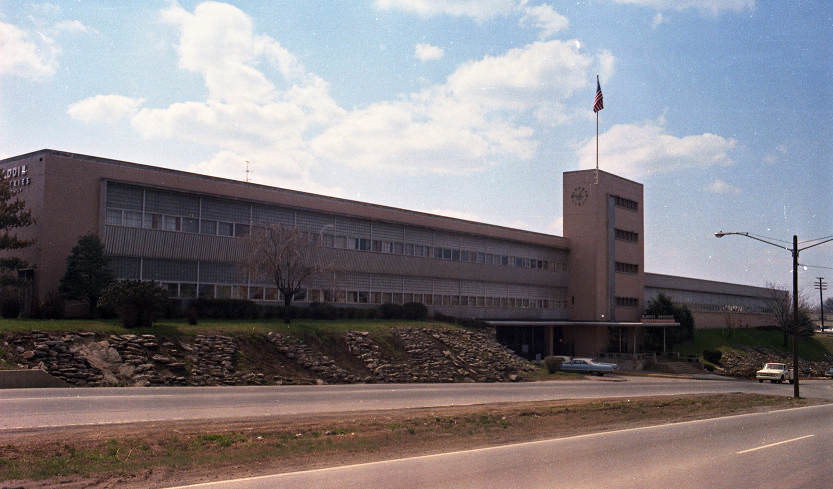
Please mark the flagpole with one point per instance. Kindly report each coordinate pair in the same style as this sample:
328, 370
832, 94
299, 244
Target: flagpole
596, 181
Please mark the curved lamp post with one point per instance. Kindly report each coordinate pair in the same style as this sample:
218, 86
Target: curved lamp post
794, 251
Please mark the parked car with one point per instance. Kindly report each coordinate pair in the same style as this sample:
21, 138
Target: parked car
775, 373
829, 372
588, 366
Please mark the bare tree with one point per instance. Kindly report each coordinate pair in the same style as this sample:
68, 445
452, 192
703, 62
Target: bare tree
286, 255
781, 307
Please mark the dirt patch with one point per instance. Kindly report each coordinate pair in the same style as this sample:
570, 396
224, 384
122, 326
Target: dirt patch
163, 454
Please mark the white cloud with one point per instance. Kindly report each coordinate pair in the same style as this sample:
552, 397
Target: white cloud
73, 26
25, 55
466, 124
545, 18
288, 123
658, 20
427, 52
217, 41
718, 186
607, 63
773, 156
478, 10
104, 108
710, 7
638, 150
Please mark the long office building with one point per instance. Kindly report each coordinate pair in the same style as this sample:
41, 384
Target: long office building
543, 293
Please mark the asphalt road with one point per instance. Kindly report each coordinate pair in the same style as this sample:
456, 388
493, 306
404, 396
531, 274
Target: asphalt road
789, 448
42, 408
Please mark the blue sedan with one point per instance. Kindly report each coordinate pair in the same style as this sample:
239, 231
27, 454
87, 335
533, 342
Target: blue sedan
588, 366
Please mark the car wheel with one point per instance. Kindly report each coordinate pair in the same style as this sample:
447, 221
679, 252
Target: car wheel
773, 381
761, 381
792, 381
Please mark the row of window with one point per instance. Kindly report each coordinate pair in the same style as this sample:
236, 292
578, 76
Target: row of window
626, 235
627, 302
120, 217
622, 267
440, 253
625, 203
338, 296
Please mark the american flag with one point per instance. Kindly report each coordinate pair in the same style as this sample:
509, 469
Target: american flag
598, 104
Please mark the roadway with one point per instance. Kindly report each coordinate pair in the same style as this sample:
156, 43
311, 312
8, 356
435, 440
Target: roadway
788, 448
58, 407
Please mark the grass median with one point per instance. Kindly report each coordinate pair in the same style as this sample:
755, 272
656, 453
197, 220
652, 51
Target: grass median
148, 455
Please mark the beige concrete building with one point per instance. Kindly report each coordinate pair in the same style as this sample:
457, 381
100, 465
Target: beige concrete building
545, 293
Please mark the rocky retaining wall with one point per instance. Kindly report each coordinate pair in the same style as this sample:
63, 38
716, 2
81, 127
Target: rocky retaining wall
406, 355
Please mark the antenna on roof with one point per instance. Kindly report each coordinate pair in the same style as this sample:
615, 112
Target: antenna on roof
247, 171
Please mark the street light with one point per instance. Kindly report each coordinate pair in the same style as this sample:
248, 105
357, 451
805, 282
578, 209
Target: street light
794, 251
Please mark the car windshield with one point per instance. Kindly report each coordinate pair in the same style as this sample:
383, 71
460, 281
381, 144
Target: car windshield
775, 366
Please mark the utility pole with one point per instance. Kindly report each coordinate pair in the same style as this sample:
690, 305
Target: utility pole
821, 286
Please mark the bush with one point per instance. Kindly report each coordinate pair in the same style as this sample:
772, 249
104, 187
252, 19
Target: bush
137, 303
225, 308
10, 307
712, 356
52, 307
414, 310
553, 364
391, 311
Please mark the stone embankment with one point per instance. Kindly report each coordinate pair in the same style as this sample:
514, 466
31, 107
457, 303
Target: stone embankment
746, 362
405, 355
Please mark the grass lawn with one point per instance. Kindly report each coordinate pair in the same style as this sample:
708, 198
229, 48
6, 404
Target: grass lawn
812, 348
175, 328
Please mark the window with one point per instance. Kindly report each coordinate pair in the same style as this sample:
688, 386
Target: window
381, 246
504, 260
428, 299
408, 298
623, 235
455, 255
224, 291
362, 244
398, 248
419, 250
171, 223
626, 267
256, 293
241, 230
481, 257
207, 291
625, 203
397, 298
190, 225
188, 291
409, 249
627, 301
447, 254
328, 241
133, 219
172, 289
377, 298
113, 217
208, 227
225, 229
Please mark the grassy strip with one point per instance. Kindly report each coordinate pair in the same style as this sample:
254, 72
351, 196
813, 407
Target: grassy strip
812, 348
284, 446
176, 328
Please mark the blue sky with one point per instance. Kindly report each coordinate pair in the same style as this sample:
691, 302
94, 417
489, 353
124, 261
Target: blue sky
723, 109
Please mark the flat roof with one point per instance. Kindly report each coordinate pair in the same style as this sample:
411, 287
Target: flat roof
348, 207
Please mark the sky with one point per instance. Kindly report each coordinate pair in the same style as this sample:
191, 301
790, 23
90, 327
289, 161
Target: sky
722, 109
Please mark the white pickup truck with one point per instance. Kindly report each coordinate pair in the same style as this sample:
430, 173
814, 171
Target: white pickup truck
775, 373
